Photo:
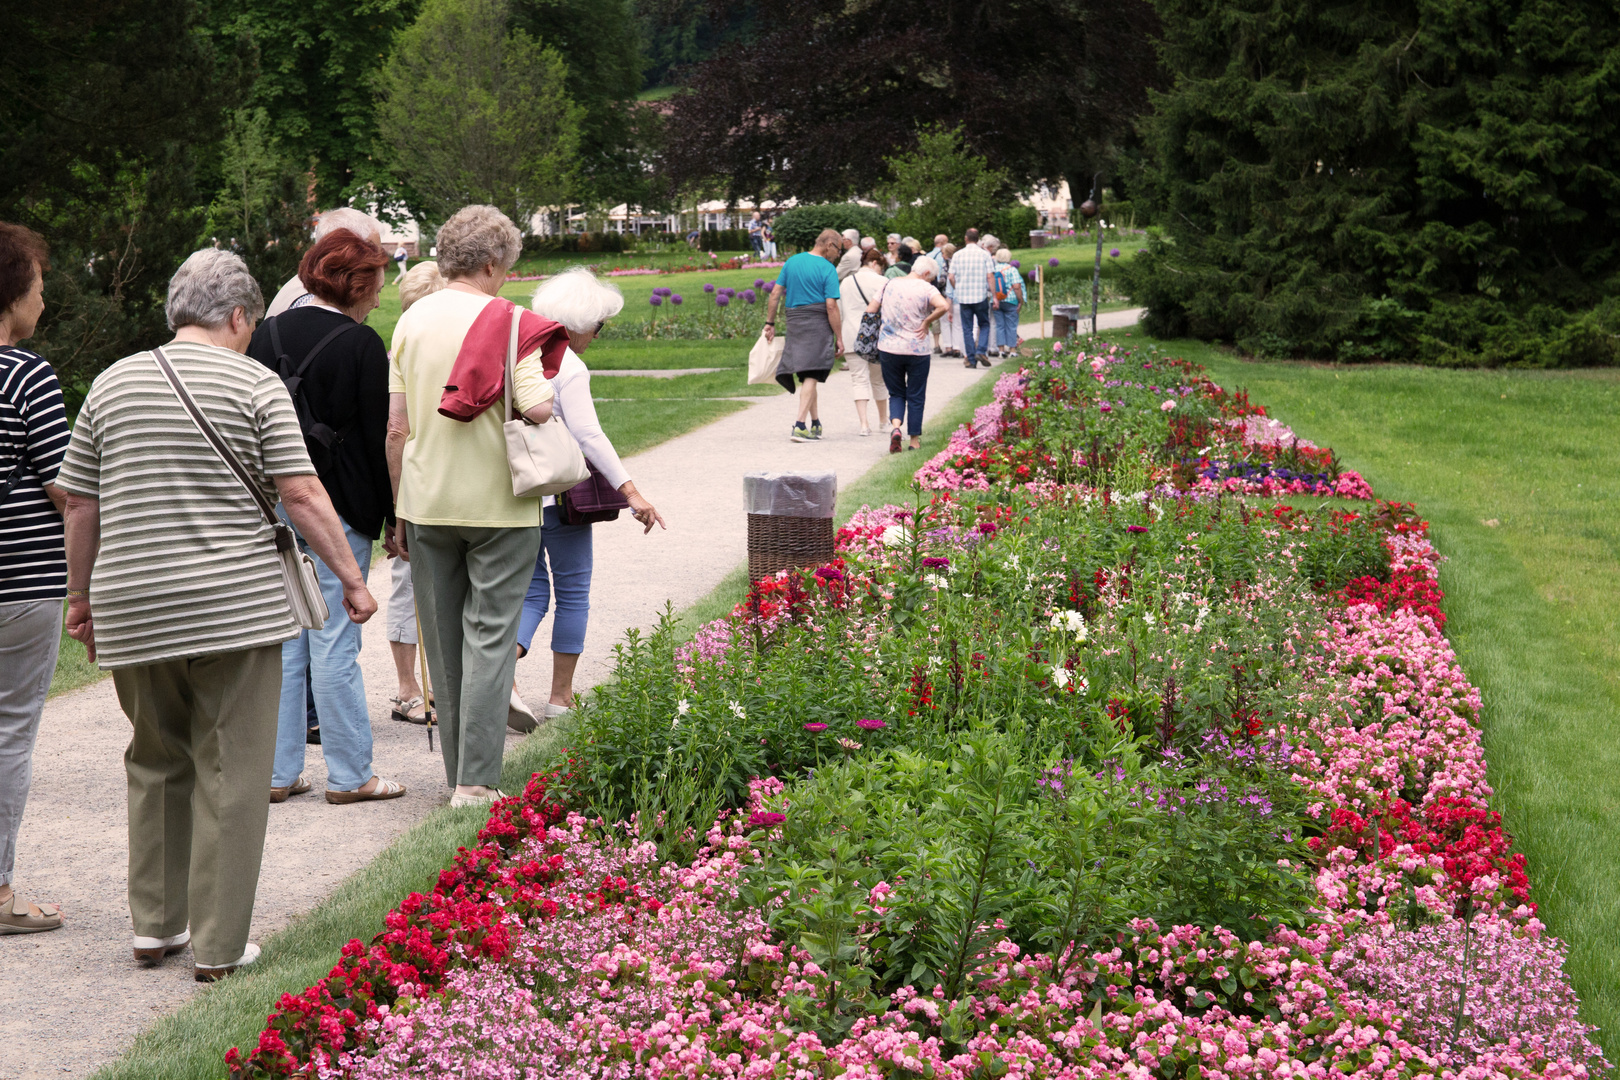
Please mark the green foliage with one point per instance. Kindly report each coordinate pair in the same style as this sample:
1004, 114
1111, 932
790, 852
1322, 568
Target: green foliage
1384, 180
103, 112
798, 228
311, 64
1013, 224
261, 210
943, 187
475, 112
598, 39
569, 243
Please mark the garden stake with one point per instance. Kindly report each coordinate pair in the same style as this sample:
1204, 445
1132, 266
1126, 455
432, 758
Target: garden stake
1040, 279
1090, 209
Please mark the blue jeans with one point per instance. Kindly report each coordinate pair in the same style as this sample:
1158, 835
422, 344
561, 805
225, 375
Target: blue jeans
1006, 319
906, 376
568, 549
976, 313
331, 655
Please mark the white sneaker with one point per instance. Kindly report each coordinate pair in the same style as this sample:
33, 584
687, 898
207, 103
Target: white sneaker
554, 711
459, 800
150, 951
215, 972
519, 717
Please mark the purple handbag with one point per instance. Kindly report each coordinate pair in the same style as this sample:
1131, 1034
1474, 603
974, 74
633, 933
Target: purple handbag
591, 500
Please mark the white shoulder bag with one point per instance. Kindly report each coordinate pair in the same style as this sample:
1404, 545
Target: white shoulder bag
764, 358
544, 458
297, 569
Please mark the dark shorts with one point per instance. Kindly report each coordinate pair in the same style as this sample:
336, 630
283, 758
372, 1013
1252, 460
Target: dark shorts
820, 376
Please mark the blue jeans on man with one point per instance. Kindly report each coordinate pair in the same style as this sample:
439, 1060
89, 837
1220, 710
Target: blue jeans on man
975, 342
331, 656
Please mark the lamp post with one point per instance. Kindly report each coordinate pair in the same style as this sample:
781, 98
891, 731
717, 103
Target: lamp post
1089, 210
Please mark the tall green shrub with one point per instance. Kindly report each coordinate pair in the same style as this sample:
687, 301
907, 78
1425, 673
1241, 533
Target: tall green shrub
799, 227
942, 186
1382, 179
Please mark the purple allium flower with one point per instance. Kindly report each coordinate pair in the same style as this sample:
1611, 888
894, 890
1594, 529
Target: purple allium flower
1114, 252
1052, 261
675, 299
815, 727
764, 819
662, 290
759, 283
769, 285
1015, 264
708, 286
655, 299
722, 300
870, 724
749, 296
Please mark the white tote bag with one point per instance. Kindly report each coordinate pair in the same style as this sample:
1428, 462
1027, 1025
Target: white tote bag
764, 358
298, 575
544, 458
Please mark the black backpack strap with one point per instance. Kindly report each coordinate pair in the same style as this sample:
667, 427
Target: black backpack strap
294, 379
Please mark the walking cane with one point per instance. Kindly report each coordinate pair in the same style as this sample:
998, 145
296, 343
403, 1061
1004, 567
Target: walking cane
427, 687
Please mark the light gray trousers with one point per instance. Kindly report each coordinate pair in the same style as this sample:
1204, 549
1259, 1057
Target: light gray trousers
30, 634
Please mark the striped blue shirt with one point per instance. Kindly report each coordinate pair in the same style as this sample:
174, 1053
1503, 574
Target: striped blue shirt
33, 437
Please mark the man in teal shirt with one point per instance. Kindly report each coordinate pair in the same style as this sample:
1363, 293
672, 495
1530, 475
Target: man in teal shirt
806, 291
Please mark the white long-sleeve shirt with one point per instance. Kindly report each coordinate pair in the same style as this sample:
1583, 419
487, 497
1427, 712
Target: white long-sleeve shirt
574, 407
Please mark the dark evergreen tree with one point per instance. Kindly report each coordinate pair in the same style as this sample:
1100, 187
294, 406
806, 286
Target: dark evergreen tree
1436, 180
101, 108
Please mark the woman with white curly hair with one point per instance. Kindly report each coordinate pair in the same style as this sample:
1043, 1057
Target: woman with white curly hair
582, 304
471, 542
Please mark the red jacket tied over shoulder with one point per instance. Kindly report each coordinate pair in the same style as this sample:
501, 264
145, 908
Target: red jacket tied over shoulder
478, 377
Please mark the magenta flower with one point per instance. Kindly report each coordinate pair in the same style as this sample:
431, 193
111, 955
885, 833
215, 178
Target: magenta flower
815, 727
870, 723
937, 562
1136, 528
764, 819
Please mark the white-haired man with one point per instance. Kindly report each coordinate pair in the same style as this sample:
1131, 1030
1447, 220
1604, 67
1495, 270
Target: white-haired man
293, 294
850, 260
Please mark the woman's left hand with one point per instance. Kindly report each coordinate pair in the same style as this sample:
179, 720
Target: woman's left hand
646, 513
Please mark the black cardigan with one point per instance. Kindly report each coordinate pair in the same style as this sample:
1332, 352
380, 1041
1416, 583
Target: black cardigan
346, 389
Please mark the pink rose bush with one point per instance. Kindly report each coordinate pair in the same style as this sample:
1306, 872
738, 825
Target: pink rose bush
1202, 661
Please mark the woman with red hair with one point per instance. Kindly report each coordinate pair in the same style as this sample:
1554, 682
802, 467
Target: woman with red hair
336, 369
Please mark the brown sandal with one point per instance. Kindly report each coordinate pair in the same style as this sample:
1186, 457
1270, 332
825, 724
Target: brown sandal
18, 916
385, 789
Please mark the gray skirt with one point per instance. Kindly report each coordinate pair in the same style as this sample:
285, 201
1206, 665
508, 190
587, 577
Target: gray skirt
810, 344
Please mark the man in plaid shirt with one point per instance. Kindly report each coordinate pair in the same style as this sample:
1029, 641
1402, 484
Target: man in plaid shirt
972, 269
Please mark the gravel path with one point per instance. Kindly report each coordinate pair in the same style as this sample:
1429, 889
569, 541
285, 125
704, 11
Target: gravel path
91, 1000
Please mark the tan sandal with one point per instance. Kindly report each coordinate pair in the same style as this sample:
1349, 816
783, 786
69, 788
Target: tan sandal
385, 789
18, 916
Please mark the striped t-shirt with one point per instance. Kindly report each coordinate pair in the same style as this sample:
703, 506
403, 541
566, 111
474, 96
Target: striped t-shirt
33, 435
187, 564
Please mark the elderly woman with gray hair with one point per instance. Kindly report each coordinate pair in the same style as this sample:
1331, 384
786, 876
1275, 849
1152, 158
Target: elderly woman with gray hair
582, 305
173, 583
471, 542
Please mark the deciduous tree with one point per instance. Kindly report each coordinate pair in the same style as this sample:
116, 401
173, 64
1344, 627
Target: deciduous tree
473, 111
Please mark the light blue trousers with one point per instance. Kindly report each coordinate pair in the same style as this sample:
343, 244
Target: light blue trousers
331, 655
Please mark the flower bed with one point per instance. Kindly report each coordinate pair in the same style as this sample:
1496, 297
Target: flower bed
1090, 765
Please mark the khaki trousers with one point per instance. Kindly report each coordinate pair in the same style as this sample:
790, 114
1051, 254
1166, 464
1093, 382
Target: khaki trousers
470, 583
199, 793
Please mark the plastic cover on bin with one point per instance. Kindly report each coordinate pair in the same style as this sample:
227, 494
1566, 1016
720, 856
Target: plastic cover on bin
791, 494
1071, 310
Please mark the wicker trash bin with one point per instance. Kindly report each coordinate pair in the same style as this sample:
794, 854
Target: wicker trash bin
790, 520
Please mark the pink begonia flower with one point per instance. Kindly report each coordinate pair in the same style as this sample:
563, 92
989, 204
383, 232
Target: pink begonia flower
1168, 405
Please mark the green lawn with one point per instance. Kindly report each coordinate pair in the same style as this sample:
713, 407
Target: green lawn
1518, 472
